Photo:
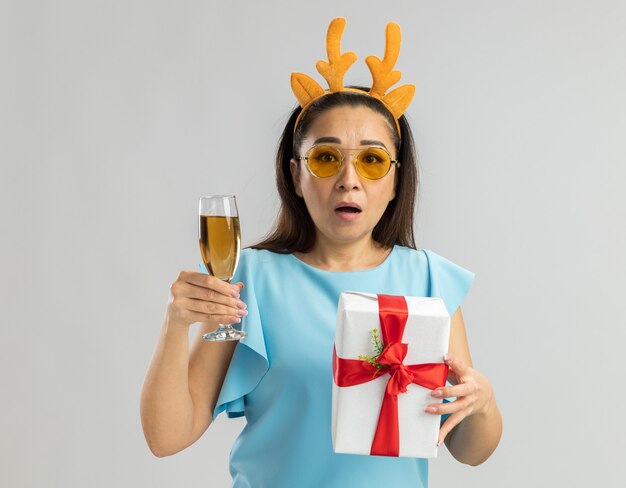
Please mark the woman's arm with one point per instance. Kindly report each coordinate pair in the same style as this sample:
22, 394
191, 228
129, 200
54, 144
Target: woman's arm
181, 388
475, 424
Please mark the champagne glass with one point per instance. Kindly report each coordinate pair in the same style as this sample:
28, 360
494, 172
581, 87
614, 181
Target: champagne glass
220, 246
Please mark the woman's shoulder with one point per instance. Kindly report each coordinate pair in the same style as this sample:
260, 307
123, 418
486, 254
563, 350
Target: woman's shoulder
409, 255
421, 254
260, 265
427, 260
444, 278
251, 257
263, 254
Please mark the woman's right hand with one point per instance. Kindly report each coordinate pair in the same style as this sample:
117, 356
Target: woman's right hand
199, 297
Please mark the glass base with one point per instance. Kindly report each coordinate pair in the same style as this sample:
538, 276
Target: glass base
224, 333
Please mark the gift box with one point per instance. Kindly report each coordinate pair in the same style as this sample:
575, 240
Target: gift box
388, 357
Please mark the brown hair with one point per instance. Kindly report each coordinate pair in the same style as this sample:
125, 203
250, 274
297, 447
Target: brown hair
295, 230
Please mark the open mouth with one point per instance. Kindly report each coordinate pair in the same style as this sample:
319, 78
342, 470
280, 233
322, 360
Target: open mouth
348, 210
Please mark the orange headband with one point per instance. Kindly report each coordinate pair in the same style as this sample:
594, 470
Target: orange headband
307, 90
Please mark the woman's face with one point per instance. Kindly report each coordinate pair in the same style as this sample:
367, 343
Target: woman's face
350, 129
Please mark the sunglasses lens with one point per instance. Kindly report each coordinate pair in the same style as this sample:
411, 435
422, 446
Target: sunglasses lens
323, 161
373, 163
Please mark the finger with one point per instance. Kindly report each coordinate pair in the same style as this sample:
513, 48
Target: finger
212, 320
451, 422
448, 407
460, 390
227, 319
208, 281
458, 366
200, 293
181, 290
211, 308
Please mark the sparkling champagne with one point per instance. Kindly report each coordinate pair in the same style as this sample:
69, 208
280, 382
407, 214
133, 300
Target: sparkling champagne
220, 244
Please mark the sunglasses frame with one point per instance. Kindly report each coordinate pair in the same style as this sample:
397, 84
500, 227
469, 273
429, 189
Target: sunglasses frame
343, 156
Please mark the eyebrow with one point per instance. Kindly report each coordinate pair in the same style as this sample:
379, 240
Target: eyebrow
336, 140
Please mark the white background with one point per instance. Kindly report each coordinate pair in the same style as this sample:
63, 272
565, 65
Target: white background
115, 116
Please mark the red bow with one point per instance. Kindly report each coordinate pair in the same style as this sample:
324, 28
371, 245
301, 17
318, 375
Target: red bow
393, 313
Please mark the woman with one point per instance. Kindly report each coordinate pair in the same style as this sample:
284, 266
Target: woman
347, 179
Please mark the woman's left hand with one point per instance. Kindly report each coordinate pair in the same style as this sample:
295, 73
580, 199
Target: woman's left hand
473, 392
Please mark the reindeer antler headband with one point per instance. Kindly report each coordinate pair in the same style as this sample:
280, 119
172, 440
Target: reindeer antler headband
307, 90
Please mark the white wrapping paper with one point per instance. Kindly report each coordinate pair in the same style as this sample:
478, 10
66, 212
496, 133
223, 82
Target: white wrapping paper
355, 409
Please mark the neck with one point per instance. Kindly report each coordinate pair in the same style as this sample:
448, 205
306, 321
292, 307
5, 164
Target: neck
345, 256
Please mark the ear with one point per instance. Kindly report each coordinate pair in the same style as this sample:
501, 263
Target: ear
294, 167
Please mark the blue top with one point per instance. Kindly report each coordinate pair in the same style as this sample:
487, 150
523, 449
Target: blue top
280, 376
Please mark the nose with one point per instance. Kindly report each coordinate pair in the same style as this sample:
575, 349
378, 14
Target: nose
348, 179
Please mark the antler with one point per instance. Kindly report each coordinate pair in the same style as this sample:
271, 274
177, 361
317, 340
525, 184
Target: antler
383, 73
384, 76
334, 70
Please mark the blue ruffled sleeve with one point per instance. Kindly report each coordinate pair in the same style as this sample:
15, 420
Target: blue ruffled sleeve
249, 362
451, 283
448, 281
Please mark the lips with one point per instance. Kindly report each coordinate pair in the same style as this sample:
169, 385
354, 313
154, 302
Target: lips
348, 207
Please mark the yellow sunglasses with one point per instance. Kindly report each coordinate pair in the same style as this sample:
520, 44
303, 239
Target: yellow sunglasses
372, 163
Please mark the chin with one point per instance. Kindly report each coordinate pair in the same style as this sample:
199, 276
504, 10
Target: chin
352, 235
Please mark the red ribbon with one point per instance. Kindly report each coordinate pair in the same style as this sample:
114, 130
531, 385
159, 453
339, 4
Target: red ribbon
393, 313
